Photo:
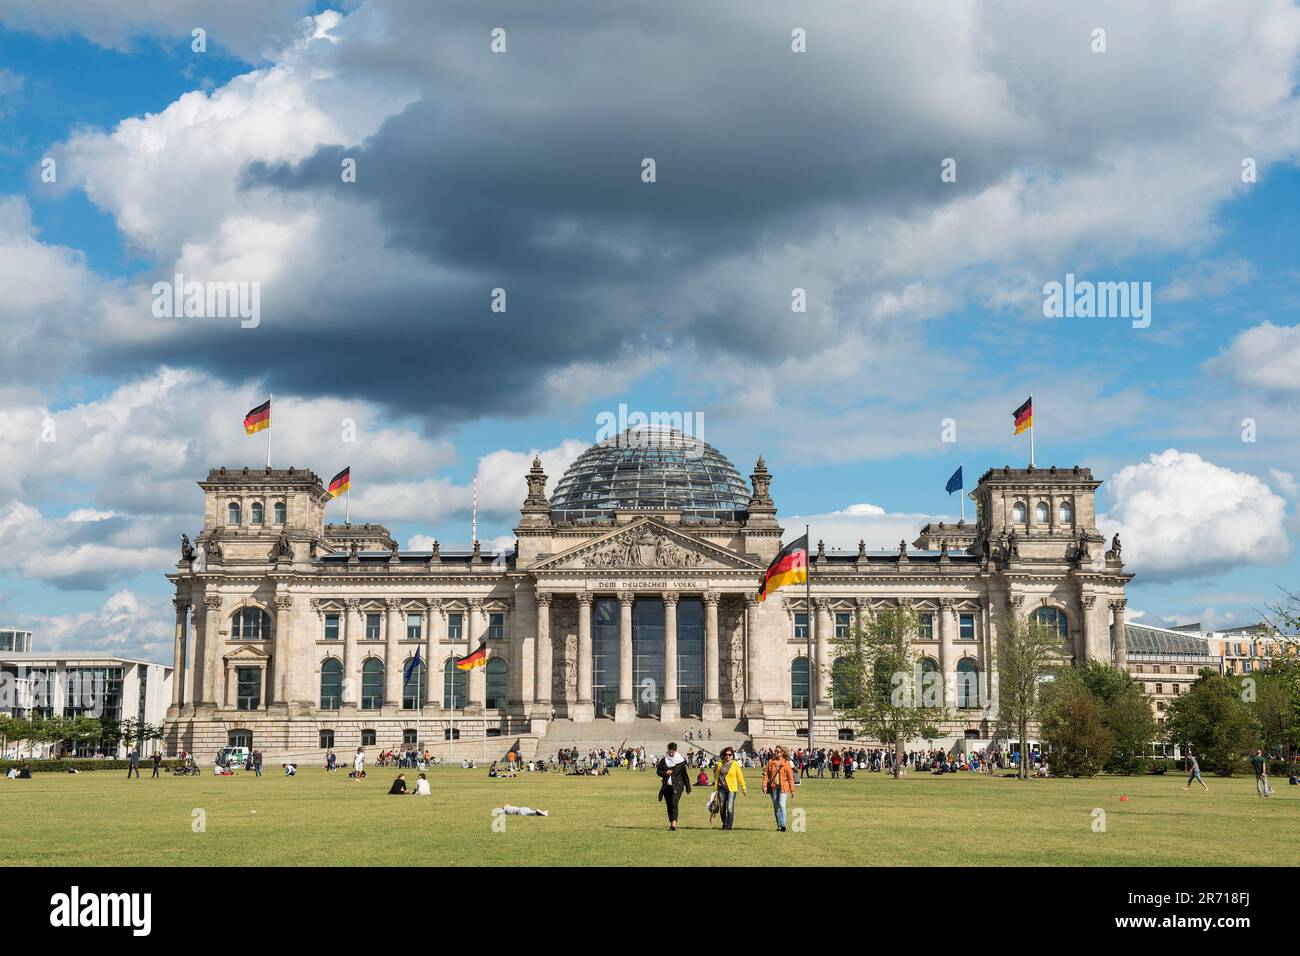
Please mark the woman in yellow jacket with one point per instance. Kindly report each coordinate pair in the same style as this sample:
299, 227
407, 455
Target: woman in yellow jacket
727, 782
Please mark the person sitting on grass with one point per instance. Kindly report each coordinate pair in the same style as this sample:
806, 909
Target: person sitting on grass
422, 787
399, 786
290, 770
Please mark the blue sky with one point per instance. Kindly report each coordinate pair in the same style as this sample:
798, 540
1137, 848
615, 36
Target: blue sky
522, 171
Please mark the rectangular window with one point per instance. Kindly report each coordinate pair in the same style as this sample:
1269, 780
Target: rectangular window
1248, 666
927, 626
367, 738
496, 626
248, 688
1160, 688
451, 733
454, 622
331, 627
843, 625
966, 627
801, 625
327, 740
414, 626
372, 627
408, 737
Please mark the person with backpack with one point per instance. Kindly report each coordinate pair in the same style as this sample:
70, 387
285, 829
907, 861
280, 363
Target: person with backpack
778, 783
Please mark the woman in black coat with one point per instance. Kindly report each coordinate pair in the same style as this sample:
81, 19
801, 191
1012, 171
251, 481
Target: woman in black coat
674, 779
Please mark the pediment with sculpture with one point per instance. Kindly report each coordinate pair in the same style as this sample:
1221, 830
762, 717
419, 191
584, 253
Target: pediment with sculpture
647, 546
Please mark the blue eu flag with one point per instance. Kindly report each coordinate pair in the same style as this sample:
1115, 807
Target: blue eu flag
955, 482
411, 665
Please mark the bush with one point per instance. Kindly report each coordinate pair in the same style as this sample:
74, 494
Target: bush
81, 764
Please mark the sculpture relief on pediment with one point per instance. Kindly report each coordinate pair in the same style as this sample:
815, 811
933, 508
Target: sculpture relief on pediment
646, 549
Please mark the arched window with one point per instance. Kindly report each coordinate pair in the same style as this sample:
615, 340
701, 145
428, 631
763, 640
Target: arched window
1018, 512
257, 513
1054, 618
453, 686
232, 513
372, 684
413, 686
250, 624
1042, 514
1067, 513
968, 676
331, 684
931, 689
279, 512
496, 684
799, 683
842, 691
240, 738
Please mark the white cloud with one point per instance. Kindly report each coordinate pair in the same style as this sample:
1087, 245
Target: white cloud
881, 530
69, 553
126, 624
1182, 516
1208, 278
1265, 356
1285, 481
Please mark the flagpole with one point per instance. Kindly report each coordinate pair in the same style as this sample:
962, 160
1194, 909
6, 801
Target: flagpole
269, 399
1031, 429
347, 500
961, 466
807, 633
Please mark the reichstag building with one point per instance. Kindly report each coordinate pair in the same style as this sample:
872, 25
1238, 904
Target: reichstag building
629, 597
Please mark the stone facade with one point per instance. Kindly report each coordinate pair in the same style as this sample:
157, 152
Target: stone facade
642, 613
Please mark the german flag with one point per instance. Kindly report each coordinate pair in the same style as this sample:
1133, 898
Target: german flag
340, 482
1024, 415
477, 659
258, 418
788, 567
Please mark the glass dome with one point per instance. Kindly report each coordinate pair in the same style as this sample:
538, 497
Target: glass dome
651, 468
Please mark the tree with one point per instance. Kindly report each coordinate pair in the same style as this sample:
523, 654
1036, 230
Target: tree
1027, 655
1277, 705
1214, 719
1284, 619
153, 733
881, 671
12, 729
1074, 726
1125, 711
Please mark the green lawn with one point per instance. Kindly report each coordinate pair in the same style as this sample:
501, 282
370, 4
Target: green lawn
101, 818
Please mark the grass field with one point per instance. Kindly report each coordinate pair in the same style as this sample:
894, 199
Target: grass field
101, 818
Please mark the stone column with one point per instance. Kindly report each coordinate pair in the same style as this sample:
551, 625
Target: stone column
1121, 637
753, 705
584, 711
712, 701
208, 669
947, 625
822, 635
435, 627
263, 687
476, 692
670, 707
542, 659
232, 696
178, 658
625, 709
1088, 621
351, 633
281, 652
393, 628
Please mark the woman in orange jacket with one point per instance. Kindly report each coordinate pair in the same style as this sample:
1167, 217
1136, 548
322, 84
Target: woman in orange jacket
778, 783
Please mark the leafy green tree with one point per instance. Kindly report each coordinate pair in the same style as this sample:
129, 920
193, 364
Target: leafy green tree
1028, 653
1074, 726
1214, 719
882, 677
1125, 710
1277, 705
